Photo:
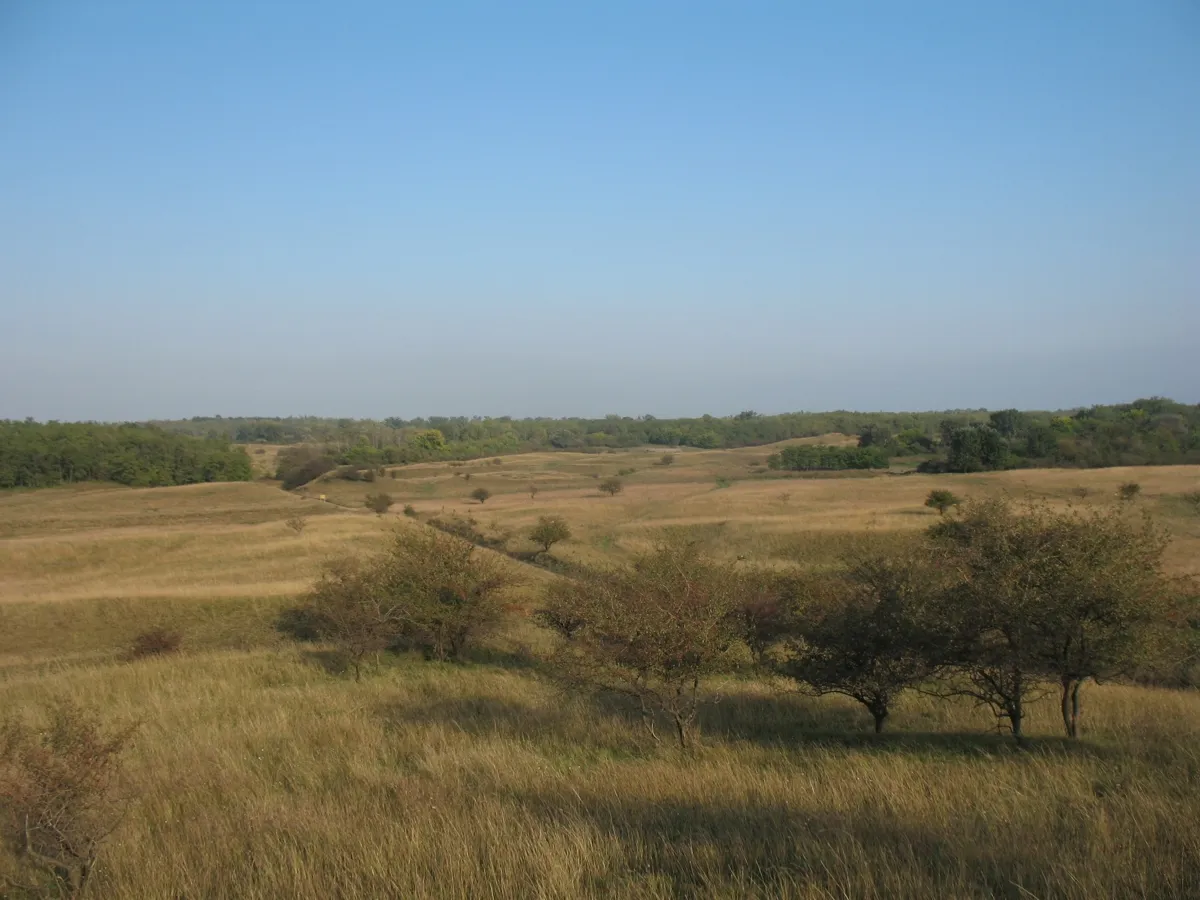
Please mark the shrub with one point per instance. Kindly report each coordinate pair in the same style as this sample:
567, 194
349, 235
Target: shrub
533, 491
156, 642
427, 591
447, 593
1192, 499
497, 461
1129, 490
611, 486
1081, 491
297, 524
481, 494
652, 632
626, 471
942, 500
549, 531
378, 503
722, 482
59, 797
1050, 596
667, 459
410, 511
298, 466
870, 635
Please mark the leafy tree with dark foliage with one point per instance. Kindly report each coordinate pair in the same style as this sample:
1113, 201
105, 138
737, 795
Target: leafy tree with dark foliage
35, 455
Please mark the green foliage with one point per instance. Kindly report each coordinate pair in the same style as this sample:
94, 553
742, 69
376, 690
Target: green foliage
427, 590
1129, 490
378, 503
611, 486
37, 455
410, 510
296, 466
1050, 596
722, 481
549, 531
1148, 431
808, 457
941, 500
869, 634
481, 494
976, 448
652, 631
667, 459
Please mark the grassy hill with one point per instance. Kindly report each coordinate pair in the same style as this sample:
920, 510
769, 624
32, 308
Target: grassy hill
259, 773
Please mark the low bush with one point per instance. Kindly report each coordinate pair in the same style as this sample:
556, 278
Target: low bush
156, 642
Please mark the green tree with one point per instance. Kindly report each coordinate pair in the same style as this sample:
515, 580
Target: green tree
378, 503
1052, 596
549, 531
481, 494
870, 634
653, 632
611, 486
941, 500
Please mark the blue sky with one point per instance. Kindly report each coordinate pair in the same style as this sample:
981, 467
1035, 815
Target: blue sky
372, 209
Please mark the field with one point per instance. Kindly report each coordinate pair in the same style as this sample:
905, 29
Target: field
258, 773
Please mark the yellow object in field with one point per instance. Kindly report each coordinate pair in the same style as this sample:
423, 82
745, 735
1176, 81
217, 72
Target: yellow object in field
322, 497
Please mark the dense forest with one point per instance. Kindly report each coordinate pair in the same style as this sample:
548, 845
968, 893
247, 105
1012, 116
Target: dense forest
1155, 431
821, 456
394, 440
43, 455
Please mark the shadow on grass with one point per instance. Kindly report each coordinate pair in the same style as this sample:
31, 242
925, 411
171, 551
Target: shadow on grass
795, 720
688, 848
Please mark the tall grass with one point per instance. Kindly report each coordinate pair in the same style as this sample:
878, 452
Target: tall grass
262, 776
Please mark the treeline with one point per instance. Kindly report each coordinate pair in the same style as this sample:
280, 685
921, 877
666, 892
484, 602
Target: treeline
825, 457
394, 441
1154, 431
35, 455
1002, 604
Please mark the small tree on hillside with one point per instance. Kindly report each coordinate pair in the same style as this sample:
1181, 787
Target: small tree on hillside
611, 486
870, 635
481, 494
350, 607
549, 531
653, 632
941, 500
667, 459
1129, 491
451, 594
427, 590
378, 503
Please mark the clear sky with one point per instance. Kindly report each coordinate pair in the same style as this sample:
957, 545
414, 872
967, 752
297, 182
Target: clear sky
394, 208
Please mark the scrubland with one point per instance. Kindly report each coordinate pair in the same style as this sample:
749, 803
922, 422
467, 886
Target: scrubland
260, 769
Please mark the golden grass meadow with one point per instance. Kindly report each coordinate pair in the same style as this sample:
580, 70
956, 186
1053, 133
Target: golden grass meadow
257, 772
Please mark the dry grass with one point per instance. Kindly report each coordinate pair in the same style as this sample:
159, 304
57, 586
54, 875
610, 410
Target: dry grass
260, 774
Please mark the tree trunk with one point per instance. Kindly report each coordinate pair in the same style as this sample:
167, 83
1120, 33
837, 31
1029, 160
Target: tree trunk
880, 718
1016, 715
1071, 710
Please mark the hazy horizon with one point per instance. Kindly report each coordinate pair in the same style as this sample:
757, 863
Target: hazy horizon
667, 209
